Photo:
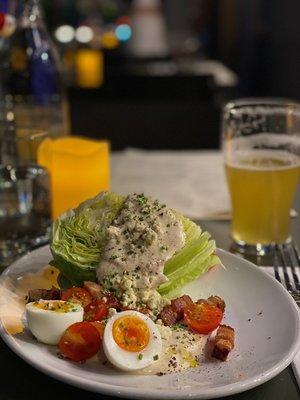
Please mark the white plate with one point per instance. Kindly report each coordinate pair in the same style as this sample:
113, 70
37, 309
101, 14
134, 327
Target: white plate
262, 312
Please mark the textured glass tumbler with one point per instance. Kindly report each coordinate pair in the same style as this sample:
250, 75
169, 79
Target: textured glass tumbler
25, 197
25, 210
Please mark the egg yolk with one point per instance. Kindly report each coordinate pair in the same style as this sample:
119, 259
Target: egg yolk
58, 306
131, 333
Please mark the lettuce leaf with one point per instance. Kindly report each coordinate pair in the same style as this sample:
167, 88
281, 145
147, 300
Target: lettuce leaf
174, 290
193, 260
78, 236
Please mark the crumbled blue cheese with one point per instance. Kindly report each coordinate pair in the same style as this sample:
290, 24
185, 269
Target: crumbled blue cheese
111, 312
141, 239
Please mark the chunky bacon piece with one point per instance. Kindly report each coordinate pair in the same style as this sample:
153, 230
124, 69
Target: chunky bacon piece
44, 294
217, 301
224, 342
168, 315
179, 304
174, 312
94, 289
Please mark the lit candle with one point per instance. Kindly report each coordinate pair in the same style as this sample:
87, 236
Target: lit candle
79, 169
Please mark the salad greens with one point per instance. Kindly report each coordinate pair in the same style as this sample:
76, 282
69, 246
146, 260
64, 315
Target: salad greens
193, 260
78, 236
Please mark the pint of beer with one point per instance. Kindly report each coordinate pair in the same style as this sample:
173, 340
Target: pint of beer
262, 168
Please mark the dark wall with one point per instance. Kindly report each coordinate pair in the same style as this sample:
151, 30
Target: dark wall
264, 46
150, 113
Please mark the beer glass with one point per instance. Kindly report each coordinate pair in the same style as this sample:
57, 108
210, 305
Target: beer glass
261, 147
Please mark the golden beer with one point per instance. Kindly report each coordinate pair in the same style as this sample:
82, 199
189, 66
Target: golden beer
262, 185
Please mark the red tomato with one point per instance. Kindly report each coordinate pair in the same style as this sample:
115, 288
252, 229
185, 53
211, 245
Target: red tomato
111, 300
80, 341
77, 295
97, 310
100, 327
202, 318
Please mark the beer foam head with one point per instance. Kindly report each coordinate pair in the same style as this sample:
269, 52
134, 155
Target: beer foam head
274, 142
263, 159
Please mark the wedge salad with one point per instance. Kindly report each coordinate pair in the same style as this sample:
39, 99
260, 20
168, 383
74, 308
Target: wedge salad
127, 260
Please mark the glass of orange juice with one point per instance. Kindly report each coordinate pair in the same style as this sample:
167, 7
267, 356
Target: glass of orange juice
261, 146
79, 169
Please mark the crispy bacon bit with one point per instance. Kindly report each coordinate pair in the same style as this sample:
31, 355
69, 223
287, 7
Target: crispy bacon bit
179, 304
217, 301
214, 300
200, 301
174, 312
94, 289
168, 315
144, 310
44, 294
224, 342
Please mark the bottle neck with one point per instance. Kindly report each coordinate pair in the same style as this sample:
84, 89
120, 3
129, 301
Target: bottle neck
32, 14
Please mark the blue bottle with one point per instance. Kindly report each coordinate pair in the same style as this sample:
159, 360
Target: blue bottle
34, 74
35, 67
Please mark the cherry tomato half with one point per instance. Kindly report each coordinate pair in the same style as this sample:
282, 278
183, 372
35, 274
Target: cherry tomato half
97, 310
202, 318
77, 295
100, 327
80, 341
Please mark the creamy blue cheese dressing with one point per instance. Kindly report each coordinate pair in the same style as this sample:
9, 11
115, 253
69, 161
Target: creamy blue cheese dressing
141, 239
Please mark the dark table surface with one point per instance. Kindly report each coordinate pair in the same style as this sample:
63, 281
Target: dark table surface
20, 381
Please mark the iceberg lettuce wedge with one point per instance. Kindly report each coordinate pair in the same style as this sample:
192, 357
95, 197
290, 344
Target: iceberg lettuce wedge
78, 236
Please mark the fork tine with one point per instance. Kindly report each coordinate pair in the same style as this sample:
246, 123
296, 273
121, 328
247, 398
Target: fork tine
295, 262
276, 265
284, 264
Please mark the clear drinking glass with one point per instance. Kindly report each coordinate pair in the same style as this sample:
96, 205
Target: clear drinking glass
25, 199
261, 147
24, 210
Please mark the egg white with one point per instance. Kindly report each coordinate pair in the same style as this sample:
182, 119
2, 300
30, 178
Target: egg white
127, 360
47, 325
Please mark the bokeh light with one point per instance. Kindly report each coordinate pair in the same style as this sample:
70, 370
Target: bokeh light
84, 34
109, 40
64, 33
123, 32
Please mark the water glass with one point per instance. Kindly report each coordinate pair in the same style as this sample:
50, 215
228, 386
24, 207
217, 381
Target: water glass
24, 210
25, 198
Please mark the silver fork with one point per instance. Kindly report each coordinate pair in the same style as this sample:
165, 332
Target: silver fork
287, 256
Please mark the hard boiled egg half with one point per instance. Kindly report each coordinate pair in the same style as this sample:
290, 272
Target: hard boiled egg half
48, 319
131, 341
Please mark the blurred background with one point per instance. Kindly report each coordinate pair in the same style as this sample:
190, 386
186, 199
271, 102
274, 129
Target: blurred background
155, 74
